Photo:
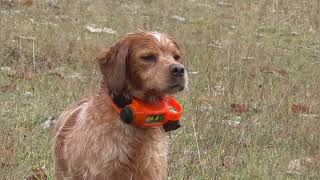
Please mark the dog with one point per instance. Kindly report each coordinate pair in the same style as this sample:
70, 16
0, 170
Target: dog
91, 142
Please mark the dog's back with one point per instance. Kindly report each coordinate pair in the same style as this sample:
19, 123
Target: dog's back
64, 127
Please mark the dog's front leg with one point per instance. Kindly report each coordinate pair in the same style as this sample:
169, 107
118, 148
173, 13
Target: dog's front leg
155, 169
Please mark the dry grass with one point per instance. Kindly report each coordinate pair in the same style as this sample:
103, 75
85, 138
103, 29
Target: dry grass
252, 110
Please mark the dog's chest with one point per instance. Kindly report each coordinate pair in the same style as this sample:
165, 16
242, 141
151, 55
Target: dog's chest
128, 150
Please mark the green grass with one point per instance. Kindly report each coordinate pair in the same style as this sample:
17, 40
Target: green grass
234, 50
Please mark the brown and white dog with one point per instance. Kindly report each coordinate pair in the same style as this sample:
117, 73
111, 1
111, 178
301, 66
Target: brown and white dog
90, 140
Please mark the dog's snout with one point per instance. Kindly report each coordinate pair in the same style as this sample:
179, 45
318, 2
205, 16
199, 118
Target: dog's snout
176, 70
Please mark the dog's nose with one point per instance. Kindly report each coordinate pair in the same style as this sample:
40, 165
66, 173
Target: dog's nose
177, 70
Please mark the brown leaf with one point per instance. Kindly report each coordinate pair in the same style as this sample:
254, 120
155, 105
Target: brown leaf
28, 74
239, 108
282, 72
27, 3
37, 174
7, 156
8, 151
279, 137
313, 162
8, 88
273, 70
56, 74
300, 108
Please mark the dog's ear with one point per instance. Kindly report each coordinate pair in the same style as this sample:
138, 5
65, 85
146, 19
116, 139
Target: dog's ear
103, 56
113, 66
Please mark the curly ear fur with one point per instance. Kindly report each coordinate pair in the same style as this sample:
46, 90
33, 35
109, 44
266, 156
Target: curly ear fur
113, 64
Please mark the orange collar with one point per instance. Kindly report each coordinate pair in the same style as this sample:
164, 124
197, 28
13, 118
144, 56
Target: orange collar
166, 113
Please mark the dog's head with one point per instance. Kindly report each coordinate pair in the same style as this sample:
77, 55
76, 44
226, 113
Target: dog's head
147, 65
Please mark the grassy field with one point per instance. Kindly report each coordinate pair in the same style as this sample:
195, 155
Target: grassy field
252, 108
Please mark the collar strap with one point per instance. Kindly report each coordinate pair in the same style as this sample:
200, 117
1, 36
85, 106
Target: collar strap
120, 100
166, 113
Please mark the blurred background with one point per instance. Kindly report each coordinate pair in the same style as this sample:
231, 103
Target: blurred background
252, 108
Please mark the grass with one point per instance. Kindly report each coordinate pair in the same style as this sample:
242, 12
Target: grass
249, 62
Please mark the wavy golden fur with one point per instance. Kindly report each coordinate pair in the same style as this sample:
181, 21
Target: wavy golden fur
90, 140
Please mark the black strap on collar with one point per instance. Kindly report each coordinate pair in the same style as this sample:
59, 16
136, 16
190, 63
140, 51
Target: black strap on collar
171, 125
121, 100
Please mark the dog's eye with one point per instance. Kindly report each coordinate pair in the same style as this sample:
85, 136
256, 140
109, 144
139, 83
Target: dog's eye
176, 57
149, 57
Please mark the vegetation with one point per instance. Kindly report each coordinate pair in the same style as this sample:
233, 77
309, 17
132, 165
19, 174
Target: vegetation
252, 108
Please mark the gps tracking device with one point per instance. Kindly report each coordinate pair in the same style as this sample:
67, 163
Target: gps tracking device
166, 113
